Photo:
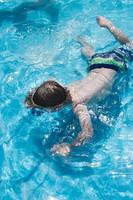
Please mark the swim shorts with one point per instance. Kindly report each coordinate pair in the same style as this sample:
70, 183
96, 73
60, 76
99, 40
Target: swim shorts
116, 59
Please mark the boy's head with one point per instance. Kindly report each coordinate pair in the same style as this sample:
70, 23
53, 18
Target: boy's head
49, 94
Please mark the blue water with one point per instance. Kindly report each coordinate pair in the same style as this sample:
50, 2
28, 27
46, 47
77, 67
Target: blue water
38, 43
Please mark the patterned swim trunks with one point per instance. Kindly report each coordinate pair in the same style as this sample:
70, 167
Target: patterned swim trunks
116, 59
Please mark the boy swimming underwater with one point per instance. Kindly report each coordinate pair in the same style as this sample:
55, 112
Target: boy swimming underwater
103, 69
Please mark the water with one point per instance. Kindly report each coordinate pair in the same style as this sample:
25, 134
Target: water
39, 43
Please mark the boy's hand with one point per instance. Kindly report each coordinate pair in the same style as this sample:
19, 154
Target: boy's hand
62, 149
103, 22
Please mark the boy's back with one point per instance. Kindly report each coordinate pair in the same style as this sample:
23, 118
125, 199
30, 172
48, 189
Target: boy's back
96, 85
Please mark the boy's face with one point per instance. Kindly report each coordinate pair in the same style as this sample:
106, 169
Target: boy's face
30, 104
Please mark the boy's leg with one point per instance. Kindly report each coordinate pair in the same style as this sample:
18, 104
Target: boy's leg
87, 50
118, 34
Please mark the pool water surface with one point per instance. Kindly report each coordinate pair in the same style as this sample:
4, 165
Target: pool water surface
37, 43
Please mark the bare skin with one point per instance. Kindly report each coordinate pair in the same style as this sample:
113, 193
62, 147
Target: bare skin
94, 86
87, 50
118, 34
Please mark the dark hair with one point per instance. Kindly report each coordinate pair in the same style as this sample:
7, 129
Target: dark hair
49, 94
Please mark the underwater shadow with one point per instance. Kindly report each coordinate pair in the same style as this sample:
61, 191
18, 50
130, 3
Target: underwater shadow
19, 13
77, 163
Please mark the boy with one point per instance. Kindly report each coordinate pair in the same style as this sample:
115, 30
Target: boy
103, 70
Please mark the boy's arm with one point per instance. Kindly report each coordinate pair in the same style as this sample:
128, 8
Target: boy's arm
86, 131
118, 34
85, 123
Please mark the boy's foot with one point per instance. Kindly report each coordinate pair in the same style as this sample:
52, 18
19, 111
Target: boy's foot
87, 50
103, 22
82, 41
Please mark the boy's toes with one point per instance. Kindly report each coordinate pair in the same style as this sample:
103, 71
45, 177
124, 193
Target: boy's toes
98, 18
82, 40
101, 20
